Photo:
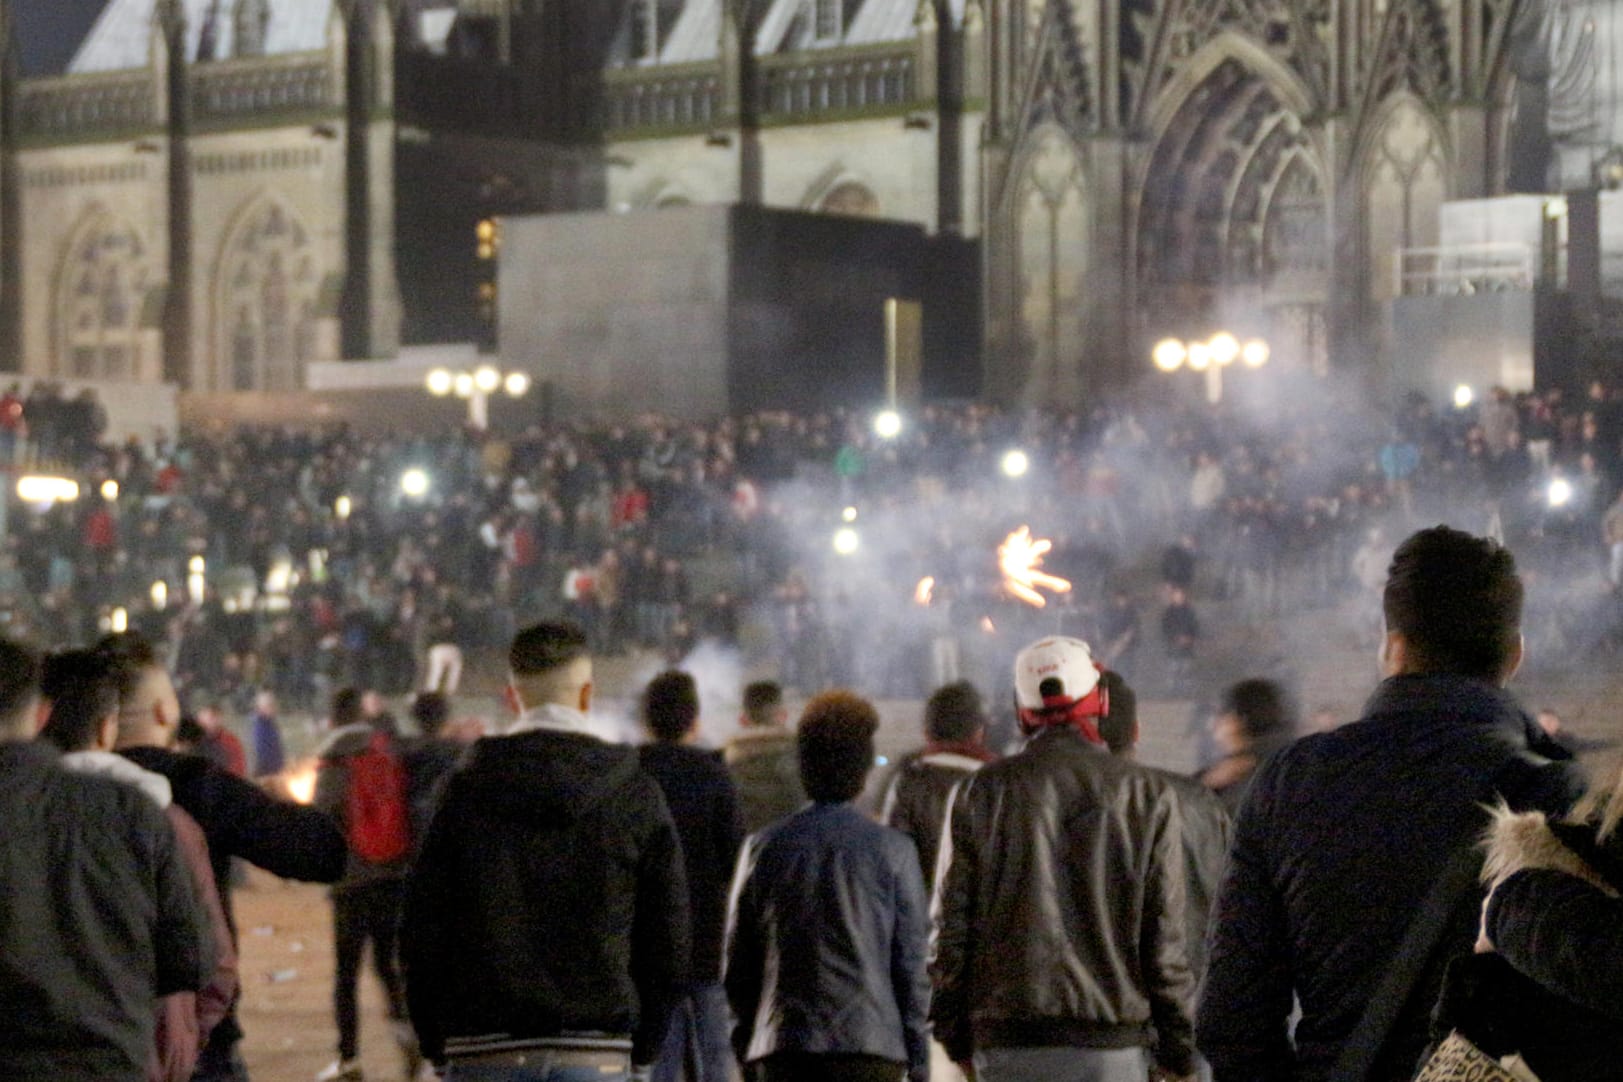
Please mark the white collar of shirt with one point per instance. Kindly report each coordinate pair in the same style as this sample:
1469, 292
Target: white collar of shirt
553, 718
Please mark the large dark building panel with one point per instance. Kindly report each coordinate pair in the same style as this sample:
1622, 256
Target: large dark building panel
700, 310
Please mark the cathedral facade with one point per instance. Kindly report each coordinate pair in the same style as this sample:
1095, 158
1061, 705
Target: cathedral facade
220, 192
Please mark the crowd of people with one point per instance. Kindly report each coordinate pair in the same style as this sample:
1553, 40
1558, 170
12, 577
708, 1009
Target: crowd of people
1431, 892
300, 561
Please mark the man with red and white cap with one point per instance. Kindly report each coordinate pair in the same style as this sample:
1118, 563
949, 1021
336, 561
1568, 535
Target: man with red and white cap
1060, 938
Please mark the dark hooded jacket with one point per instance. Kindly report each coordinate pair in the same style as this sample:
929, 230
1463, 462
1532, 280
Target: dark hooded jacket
548, 899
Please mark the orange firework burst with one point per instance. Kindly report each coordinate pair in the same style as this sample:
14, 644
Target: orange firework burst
1020, 557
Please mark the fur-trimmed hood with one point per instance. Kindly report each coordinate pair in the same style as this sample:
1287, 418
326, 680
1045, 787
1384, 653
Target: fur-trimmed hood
1517, 841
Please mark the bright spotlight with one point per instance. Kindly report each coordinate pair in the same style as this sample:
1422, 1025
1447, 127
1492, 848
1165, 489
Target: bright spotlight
486, 378
1225, 348
1560, 493
119, 621
463, 385
414, 483
1255, 353
440, 381
36, 489
109, 490
846, 541
1463, 396
160, 595
1015, 464
196, 565
849, 514
517, 384
342, 507
1200, 356
1169, 354
888, 424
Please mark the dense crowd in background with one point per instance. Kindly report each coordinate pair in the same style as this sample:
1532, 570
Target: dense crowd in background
293, 560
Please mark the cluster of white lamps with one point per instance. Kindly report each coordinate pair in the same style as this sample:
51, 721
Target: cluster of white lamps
1221, 350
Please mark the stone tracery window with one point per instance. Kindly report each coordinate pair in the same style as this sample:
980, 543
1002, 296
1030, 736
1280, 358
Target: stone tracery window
268, 301
103, 283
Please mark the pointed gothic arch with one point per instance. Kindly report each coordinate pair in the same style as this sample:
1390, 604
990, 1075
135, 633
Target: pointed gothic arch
99, 296
266, 285
1050, 216
1403, 181
1233, 199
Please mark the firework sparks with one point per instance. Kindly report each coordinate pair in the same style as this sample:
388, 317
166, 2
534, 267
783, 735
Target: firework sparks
924, 592
1020, 557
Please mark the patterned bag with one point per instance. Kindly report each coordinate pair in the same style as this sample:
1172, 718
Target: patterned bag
1458, 1060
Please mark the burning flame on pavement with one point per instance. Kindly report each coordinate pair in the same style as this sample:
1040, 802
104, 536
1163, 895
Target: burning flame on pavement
301, 782
924, 592
1019, 557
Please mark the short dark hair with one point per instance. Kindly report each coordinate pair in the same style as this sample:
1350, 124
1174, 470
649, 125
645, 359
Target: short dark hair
1457, 601
82, 686
346, 708
131, 654
1119, 724
954, 713
1261, 706
430, 710
542, 648
835, 741
761, 699
19, 681
670, 705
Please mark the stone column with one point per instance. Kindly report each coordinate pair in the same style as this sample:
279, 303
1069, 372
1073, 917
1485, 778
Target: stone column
370, 309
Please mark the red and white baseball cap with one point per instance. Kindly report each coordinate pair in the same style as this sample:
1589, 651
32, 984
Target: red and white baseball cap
1053, 673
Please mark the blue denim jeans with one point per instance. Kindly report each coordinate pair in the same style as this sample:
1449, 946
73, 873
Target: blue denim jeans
697, 1042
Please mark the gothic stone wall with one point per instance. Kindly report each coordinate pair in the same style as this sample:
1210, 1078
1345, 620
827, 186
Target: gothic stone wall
268, 243
94, 259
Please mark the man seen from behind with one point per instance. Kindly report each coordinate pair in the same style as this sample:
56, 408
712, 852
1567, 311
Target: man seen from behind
546, 931
1060, 941
100, 915
1345, 836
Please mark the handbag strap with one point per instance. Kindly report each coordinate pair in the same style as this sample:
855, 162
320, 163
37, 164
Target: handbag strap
1457, 882
1363, 1049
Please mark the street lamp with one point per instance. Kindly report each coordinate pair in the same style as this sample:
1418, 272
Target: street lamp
476, 385
887, 424
415, 483
1210, 357
1015, 463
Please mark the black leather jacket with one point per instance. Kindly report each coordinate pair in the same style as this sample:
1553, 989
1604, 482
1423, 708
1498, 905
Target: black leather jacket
1063, 911
916, 797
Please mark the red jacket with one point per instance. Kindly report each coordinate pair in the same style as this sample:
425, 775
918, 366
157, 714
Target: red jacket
185, 1019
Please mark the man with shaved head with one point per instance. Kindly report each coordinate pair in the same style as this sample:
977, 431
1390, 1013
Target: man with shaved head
546, 932
239, 819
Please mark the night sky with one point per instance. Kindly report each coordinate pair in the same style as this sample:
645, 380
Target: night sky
49, 32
